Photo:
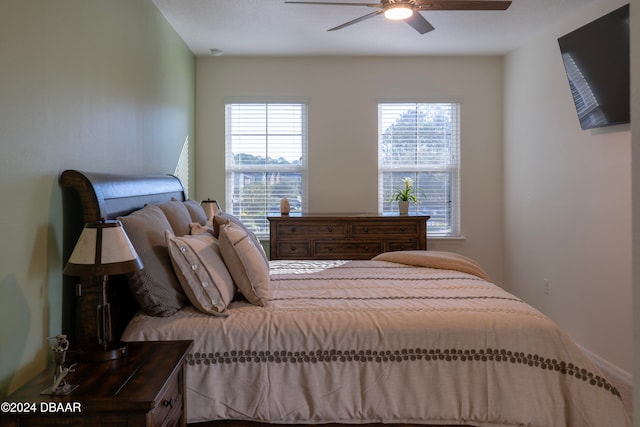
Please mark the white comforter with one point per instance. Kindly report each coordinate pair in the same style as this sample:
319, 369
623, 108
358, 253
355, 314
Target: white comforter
379, 341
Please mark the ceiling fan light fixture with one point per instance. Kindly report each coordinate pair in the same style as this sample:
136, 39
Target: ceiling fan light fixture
398, 12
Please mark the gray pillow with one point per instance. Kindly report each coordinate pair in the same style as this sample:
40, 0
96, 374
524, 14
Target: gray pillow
178, 216
197, 213
155, 287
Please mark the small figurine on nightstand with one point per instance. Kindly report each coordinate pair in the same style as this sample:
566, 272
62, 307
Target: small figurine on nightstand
60, 386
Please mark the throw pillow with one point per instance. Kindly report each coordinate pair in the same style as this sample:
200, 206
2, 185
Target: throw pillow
201, 272
247, 265
155, 287
177, 215
197, 213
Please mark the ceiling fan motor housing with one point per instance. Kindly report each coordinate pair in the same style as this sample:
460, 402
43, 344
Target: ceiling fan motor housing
397, 9
408, 10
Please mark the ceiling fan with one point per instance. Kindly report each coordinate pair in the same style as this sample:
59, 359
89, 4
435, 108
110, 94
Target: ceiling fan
407, 10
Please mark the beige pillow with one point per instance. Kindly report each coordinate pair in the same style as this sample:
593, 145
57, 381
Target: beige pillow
246, 263
225, 218
177, 215
155, 287
201, 272
197, 228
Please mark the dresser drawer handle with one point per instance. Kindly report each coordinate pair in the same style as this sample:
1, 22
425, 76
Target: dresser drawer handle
366, 248
330, 248
293, 248
330, 229
168, 403
293, 229
403, 229
366, 229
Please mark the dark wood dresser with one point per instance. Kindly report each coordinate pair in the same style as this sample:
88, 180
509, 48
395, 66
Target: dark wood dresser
344, 236
144, 388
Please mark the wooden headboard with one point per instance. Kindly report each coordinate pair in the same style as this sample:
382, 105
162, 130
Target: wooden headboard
89, 197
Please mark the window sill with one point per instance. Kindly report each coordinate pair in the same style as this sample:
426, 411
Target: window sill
446, 239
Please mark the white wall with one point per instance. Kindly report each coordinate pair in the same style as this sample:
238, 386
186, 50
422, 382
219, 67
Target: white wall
342, 93
104, 86
567, 196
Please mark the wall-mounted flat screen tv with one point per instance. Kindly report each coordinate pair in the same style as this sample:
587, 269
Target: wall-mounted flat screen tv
596, 60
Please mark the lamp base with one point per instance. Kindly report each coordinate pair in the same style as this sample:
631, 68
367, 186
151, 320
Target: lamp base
113, 351
60, 391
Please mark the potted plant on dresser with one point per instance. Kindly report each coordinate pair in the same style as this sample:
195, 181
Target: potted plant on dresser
405, 195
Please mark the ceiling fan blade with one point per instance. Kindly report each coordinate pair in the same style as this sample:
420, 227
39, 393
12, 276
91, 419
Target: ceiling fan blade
334, 3
462, 5
419, 24
355, 21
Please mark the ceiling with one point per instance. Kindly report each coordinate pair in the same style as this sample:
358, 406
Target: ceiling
271, 27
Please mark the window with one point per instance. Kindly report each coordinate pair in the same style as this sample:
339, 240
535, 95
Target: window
265, 160
421, 141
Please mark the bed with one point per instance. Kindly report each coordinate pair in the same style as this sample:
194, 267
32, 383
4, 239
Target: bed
416, 337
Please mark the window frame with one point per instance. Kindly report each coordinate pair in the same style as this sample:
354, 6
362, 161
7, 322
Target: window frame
452, 168
231, 168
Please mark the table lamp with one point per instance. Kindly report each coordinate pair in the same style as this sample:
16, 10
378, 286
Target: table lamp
103, 249
211, 207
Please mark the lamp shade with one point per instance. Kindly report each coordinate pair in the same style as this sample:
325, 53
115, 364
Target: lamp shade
211, 207
103, 249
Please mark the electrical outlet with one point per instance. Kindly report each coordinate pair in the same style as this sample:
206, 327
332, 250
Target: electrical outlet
546, 287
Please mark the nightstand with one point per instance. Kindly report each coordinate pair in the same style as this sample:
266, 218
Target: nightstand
144, 388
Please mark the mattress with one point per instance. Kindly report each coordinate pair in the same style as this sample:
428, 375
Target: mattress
385, 342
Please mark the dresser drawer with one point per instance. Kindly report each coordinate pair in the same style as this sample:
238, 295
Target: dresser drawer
409, 245
316, 229
347, 249
292, 250
383, 228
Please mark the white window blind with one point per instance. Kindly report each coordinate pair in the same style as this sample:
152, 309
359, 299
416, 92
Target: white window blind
265, 160
421, 141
